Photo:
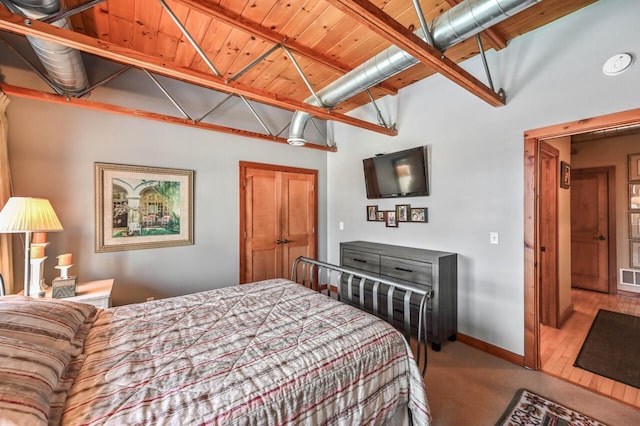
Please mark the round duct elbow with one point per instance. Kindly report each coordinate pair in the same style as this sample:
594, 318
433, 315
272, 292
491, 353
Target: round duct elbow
296, 141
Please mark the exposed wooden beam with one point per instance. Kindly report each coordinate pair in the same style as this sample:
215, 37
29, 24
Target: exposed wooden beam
497, 41
137, 113
381, 23
213, 10
19, 25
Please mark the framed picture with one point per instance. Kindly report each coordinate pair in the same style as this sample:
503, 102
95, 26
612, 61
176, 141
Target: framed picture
634, 196
634, 225
634, 167
381, 216
419, 214
140, 207
372, 213
634, 255
565, 175
391, 219
402, 212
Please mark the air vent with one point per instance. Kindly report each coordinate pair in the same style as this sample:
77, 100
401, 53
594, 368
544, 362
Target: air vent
630, 276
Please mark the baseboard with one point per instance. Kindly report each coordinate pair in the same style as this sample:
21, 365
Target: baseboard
491, 349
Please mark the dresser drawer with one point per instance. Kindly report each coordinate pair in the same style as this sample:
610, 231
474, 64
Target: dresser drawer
406, 270
363, 261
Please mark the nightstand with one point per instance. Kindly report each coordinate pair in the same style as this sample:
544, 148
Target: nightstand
96, 293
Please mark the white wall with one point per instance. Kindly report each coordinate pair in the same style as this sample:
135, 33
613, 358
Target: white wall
53, 148
552, 75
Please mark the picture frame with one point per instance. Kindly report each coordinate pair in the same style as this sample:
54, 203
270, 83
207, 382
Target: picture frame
391, 219
634, 255
381, 216
565, 175
372, 213
634, 167
402, 212
634, 225
634, 196
419, 214
142, 207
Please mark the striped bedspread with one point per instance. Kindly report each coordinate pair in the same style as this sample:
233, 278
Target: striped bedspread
267, 353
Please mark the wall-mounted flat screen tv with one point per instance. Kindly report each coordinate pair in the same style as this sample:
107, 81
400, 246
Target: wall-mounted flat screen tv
398, 174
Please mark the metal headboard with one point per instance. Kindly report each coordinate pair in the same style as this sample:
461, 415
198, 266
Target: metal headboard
319, 276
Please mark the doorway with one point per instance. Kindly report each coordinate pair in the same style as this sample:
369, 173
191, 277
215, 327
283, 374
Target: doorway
532, 272
278, 219
593, 229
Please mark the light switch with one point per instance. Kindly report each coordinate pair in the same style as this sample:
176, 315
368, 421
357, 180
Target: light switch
341, 226
493, 238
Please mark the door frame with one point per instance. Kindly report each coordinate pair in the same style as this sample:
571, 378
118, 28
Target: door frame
242, 167
551, 297
532, 140
612, 241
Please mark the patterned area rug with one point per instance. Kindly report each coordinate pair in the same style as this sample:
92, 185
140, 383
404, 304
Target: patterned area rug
528, 408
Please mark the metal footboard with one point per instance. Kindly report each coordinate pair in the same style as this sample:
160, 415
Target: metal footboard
333, 280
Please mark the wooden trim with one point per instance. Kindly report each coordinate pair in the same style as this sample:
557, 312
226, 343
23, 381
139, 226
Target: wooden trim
242, 167
209, 8
382, 24
531, 285
547, 151
16, 24
130, 112
490, 349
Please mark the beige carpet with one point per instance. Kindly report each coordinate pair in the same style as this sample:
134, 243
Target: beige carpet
466, 386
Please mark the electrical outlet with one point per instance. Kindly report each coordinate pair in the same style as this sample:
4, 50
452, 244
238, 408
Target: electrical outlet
493, 238
151, 299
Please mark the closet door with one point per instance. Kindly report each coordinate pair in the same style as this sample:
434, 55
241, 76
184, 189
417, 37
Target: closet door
278, 219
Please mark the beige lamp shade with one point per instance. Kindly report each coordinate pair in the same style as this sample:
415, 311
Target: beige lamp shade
23, 214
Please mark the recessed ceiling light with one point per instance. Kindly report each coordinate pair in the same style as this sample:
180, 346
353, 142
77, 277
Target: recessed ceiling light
617, 64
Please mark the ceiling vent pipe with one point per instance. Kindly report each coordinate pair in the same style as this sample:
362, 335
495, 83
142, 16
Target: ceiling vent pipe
457, 24
62, 64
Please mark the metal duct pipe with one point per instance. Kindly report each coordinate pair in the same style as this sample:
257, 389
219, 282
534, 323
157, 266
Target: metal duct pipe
63, 64
457, 24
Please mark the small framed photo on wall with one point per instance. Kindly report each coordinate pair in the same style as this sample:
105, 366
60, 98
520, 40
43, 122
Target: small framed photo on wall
381, 216
634, 196
634, 167
565, 175
419, 214
372, 213
634, 225
391, 219
402, 212
634, 255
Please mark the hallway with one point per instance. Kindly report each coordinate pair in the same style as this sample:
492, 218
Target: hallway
559, 347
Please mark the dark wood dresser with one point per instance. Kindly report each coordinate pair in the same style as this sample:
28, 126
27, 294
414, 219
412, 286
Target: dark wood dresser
429, 270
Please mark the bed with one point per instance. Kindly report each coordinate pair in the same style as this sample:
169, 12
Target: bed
270, 352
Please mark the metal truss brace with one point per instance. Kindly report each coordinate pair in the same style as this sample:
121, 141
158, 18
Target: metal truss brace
484, 61
72, 11
423, 23
378, 113
254, 63
255, 114
168, 95
33, 68
304, 77
105, 80
195, 45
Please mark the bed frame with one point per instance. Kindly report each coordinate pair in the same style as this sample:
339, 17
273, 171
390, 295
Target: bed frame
332, 280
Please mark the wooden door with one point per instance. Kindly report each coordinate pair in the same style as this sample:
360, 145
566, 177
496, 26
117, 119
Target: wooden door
549, 294
278, 219
590, 229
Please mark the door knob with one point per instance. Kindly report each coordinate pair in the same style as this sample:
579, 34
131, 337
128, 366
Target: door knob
278, 241
285, 241
601, 238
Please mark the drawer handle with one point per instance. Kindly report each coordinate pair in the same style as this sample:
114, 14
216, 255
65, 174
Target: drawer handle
359, 260
403, 269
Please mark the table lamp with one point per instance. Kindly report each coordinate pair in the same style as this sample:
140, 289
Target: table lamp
28, 215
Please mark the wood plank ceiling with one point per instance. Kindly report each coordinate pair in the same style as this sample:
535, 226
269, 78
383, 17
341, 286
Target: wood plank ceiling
327, 38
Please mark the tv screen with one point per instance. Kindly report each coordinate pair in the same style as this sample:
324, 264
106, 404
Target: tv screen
399, 174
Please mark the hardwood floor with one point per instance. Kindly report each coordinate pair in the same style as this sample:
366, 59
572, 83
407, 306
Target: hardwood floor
559, 347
